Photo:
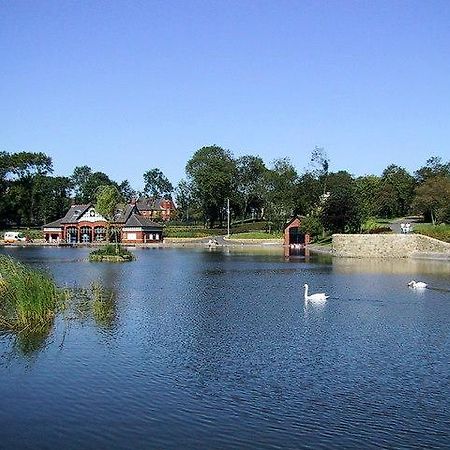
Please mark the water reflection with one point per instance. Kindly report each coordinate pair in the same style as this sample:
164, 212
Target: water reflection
219, 350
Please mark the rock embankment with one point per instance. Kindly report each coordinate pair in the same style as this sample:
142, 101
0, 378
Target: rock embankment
389, 246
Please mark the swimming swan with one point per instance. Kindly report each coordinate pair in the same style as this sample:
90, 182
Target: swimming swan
417, 284
315, 297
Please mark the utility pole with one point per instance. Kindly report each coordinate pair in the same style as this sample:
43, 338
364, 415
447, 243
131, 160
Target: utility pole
228, 217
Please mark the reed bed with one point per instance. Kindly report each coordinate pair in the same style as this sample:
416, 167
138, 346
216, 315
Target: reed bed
29, 298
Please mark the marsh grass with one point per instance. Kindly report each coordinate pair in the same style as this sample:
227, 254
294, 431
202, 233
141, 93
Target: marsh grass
103, 304
29, 299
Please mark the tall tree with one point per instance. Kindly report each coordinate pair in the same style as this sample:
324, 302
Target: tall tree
211, 172
86, 183
280, 202
396, 192
341, 212
434, 167
187, 207
367, 188
433, 199
107, 200
126, 191
250, 182
18, 173
157, 184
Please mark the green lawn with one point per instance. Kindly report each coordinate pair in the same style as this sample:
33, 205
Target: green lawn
256, 235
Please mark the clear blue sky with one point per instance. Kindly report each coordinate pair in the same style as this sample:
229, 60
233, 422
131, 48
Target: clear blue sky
126, 86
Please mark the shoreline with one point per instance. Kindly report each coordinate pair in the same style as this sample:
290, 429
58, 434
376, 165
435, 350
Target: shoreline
231, 243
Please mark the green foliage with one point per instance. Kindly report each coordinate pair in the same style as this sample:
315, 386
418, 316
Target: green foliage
257, 235
280, 192
434, 167
189, 232
341, 211
111, 250
87, 183
441, 232
157, 185
29, 298
250, 226
311, 225
396, 192
432, 199
250, 184
108, 197
103, 305
211, 173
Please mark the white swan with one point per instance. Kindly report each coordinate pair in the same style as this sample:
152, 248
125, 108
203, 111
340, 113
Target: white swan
417, 284
314, 297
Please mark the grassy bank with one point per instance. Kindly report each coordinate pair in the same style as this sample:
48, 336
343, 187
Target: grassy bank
441, 232
261, 235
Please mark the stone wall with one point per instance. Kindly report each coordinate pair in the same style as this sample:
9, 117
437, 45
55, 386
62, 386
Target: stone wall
388, 246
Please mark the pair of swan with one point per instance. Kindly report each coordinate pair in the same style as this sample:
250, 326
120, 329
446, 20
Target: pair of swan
320, 297
417, 284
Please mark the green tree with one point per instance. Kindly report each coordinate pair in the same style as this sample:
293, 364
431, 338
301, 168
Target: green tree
86, 183
18, 173
396, 192
367, 188
51, 198
211, 172
341, 211
157, 184
280, 182
187, 207
434, 167
250, 183
108, 198
433, 199
126, 191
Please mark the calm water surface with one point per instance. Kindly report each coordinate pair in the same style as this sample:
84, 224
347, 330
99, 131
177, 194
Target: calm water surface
218, 350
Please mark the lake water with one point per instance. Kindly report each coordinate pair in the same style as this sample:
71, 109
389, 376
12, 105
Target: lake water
218, 350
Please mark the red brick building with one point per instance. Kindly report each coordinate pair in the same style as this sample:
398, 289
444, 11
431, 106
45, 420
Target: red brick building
161, 208
82, 224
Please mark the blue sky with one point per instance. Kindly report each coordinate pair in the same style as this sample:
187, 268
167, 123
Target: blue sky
127, 86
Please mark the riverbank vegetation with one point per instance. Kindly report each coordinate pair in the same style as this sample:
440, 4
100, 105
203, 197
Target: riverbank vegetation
219, 186
29, 299
441, 232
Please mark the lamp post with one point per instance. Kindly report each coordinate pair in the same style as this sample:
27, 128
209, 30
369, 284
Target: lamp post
228, 217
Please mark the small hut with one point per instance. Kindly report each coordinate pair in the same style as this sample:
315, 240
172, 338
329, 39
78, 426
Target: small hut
293, 237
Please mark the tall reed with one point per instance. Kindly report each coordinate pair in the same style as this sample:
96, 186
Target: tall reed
28, 298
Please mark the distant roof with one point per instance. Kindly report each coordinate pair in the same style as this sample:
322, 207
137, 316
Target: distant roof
123, 213
150, 204
136, 220
75, 212
55, 224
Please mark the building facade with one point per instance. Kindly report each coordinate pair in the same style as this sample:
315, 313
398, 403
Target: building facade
83, 224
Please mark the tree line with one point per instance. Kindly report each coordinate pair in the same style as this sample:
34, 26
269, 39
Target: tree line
331, 201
